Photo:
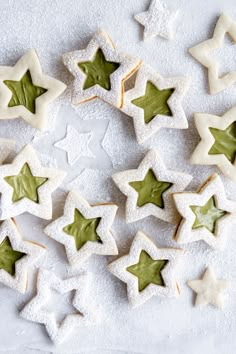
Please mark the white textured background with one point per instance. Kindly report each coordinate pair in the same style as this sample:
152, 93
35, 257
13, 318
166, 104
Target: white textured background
160, 326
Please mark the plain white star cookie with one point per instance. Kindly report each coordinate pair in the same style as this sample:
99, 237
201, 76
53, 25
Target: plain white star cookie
6, 148
147, 270
17, 256
76, 145
100, 71
157, 21
206, 214
35, 310
26, 186
218, 141
25, 92
209, 289
149, 189
155, 102
84, 229
203, 53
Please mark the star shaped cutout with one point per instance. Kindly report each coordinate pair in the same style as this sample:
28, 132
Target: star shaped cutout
34, 310
203, 53
156, 278
71, 233
157, 21
76, 145
92, 66
218, 141
16, 256
155, 102
26, 92
209, 289
26, 186
205, 214
149, 189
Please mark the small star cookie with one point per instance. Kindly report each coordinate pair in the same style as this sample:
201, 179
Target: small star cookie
157, 21
155, 102
149, 189
26, 186
203, 53
100, 71
16, 256
83, 229
35, 310
76, 145
209, 289
205, 214
147, 270
26, 92
218, 144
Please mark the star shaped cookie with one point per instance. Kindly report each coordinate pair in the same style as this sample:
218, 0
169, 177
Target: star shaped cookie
35, 310
76, 145
157, 21
83, 229
218, 144
100, 71
155, 102
209, 289
203, 53
26, 186
205, 214
25, 92
6, 148
16, 256
149, 189
147, 270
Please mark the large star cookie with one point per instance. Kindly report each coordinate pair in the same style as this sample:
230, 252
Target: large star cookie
147, 270
100, 71
16, 256
26, 186
157, 21
36, 309
209, 289
218, 144
155, 102
203, 53
26, 92
206, 214
83, 229
149, 189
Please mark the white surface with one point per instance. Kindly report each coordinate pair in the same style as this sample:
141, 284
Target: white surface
159, 326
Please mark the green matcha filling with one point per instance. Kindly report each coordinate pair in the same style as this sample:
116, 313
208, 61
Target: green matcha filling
25, 185
83, 230
9, 257
24, 92
225, 142
98, 71
154, 102
207, 215
148, 271
150, 190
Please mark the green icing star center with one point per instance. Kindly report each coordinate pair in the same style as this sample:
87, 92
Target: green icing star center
83, 230
154, 102
207, 215
148, 270
225, 142
25, 185
98, 71
24, 92
9, 257
150, 190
